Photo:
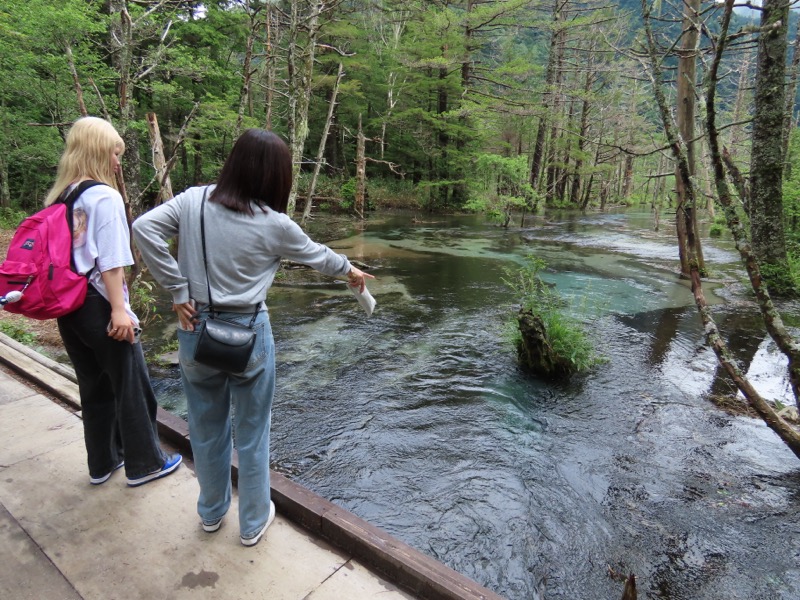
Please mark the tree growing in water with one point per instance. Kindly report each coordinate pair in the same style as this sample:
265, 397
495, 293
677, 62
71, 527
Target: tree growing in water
549, 341
771, 317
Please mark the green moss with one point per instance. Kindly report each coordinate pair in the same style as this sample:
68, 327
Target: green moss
17, 333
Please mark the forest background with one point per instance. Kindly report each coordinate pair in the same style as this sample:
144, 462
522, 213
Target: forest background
491, 105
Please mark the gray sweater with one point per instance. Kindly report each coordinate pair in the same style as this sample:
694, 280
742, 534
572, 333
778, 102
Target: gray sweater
244, 252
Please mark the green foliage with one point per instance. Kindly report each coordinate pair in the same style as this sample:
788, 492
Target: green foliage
438, 86
158, 355
10, 218
392, 193
779, 282
143, 300
499, 186
17, 333
565, 332
791, 192
715, 230
348, 192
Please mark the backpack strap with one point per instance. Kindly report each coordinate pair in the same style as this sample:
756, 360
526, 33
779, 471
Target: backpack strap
69, 199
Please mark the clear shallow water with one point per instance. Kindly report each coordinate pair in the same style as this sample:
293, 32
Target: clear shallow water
419, 421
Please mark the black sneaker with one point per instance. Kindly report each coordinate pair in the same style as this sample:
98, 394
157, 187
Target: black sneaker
173, 462
104, 478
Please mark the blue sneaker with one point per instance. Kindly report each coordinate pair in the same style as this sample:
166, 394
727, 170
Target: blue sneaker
104, 478
256, 537
173, 462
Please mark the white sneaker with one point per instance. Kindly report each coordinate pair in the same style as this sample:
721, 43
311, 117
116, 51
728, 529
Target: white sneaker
253, 540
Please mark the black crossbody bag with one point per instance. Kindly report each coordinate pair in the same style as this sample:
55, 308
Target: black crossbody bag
222, 344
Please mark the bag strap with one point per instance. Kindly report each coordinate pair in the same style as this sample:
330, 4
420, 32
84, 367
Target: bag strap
69, 199
203, 239
205, 261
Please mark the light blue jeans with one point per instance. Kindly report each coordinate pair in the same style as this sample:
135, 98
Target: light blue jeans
211, 394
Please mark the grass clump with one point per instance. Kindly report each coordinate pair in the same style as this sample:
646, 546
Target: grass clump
549, 339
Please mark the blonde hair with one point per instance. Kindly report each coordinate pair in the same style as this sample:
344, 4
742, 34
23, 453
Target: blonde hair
90, 143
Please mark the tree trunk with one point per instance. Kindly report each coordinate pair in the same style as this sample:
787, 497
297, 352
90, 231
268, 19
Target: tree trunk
563, 172
300, 70
766, 159
361, 171
547, 98
712, 334
772, 318
5, 192
269, 68
76, 81
247, 72
442, 104
687, 70
121, 41
159, 161
197, 170
627, 186
553, 171
739, 106
323, 140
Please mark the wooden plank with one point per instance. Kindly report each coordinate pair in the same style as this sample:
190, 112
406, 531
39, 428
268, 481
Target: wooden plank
42, 375
65, 371
173, 429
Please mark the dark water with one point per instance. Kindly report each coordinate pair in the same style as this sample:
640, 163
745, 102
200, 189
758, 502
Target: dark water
419, 421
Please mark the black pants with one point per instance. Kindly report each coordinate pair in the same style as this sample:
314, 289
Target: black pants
118, 403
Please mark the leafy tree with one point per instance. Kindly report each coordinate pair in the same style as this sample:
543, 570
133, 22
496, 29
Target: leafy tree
501, 186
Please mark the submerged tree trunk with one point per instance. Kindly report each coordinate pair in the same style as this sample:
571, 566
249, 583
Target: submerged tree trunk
535, 352
771, 317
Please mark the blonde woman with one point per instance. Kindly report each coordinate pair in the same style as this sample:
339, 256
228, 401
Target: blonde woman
117, 400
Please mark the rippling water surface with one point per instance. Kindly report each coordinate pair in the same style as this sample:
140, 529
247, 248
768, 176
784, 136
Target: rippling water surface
419, 421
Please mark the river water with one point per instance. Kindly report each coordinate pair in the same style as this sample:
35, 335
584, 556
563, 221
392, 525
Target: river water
419, 420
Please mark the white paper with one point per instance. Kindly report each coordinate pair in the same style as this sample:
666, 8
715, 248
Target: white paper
364, 298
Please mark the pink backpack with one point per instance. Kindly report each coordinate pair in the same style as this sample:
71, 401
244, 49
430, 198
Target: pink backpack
39, 263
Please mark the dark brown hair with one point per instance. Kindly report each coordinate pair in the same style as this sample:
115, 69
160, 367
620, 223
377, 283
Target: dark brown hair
259, 170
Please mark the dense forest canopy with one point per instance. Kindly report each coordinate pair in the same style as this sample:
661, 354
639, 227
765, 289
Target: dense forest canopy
496, 105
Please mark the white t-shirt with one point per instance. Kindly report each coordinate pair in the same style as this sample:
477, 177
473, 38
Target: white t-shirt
101, 238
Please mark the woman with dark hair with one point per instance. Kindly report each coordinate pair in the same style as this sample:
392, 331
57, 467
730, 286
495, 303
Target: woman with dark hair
246, 234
